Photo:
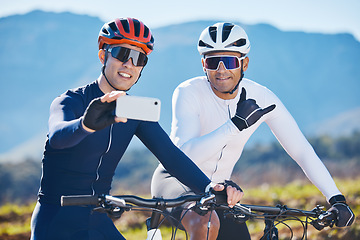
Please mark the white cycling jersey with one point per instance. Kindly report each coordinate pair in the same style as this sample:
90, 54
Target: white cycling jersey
202, 128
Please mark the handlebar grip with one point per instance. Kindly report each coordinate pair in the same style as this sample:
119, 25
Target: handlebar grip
78, 200
220, 196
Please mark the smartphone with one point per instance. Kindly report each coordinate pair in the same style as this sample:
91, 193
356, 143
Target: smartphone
139, 108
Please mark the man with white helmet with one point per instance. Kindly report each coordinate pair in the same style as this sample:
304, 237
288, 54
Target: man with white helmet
215, 115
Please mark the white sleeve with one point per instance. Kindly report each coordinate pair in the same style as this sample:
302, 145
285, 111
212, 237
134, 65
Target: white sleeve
286, 130
186, 129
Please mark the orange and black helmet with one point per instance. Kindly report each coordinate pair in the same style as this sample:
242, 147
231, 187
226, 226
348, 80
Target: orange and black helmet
126, 30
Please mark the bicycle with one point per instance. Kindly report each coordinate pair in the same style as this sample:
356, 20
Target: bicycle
273, 216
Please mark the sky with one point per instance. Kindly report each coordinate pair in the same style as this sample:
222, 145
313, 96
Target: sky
323, 16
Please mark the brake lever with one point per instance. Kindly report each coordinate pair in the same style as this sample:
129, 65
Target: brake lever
206, 198
243, 208
117, 201
324, 215
325, 219
238, 213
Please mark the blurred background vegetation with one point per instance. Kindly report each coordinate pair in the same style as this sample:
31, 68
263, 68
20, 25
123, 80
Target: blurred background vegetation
265, 172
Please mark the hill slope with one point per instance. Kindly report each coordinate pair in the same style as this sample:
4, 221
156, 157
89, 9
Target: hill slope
44, 54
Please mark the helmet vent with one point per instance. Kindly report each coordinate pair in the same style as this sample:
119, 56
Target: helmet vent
113, 27
239, 43
146, 32
137, 27
213, 32
202, 44
105, 31
226, 31
125, 25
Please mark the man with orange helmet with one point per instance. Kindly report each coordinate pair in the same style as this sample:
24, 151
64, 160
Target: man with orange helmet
86, 140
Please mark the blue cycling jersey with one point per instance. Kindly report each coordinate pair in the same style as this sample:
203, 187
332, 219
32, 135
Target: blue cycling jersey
78, 162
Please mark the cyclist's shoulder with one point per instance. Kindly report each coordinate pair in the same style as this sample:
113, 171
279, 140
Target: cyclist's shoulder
193, 83
90, 90
256, 88
82, 94
250, 84
197, 86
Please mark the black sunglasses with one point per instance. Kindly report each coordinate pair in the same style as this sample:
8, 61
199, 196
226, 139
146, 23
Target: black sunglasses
123, 54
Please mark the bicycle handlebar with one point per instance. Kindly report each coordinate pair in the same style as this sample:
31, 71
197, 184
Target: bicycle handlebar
275, 210
320, 218
240, 212
121, 200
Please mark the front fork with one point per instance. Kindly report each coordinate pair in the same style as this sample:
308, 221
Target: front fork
270, 231
152, 224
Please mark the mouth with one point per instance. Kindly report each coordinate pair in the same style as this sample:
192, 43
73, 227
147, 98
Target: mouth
124, 75
222, 78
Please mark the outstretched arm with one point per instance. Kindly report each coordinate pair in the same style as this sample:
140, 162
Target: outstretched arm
296, 145
71, 121
65, 128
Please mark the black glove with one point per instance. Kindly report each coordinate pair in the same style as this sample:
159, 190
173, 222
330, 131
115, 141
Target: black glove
232, 184
221, 196
99, 115
248, 112
344, 216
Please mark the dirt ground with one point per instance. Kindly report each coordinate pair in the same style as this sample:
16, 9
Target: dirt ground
23, 236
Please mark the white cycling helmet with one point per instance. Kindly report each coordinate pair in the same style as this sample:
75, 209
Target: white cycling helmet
224, 37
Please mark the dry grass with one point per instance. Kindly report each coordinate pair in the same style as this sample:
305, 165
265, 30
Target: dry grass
15, 220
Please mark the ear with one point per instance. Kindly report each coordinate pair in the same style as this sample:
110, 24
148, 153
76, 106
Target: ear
101, 55
245, 63
203, 64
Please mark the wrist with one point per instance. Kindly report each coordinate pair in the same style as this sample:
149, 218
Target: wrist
239, 122
337, 199
85, 127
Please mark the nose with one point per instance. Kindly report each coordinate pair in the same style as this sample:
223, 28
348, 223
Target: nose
221, 67
129, 63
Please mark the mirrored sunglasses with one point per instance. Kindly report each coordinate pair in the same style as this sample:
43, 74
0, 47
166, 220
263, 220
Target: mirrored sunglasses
230, 62
123, 54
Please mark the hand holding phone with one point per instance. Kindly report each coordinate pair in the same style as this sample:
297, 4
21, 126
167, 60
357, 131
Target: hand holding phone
139, 108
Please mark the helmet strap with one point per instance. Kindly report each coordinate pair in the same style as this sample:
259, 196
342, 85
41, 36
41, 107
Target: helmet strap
237, 85
103, 72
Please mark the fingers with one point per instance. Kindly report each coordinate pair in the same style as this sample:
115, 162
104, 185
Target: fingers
242, 95
268, 109
120, 119
233, 195
112, 96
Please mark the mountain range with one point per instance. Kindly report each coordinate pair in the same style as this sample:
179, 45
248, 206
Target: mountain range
317, 76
